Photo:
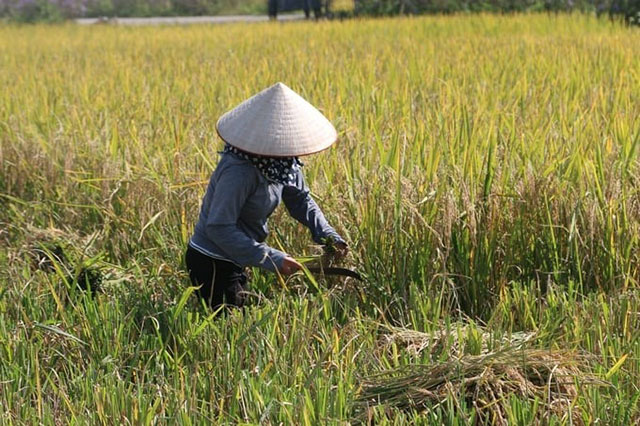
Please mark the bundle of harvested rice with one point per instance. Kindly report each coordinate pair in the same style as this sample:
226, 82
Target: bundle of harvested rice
485, 382
454, 339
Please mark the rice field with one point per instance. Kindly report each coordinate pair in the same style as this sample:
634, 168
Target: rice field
486, 176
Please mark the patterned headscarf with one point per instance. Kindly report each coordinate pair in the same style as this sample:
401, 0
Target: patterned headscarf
276, 169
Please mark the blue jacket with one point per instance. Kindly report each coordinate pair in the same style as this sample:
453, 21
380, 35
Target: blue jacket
233, 219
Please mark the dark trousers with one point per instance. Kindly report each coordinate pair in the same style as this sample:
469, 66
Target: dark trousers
218, 279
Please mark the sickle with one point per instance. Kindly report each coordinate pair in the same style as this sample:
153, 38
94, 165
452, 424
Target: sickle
335, 271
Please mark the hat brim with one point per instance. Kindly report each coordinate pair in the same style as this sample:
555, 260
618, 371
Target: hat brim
279, 155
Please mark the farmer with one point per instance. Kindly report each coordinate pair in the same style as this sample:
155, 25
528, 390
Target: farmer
259, 167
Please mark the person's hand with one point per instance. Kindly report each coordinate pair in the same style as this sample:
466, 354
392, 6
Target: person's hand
341, 249
289, 266
336, 250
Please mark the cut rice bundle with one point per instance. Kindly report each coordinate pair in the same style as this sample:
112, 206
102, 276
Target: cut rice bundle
485, 382
454, 338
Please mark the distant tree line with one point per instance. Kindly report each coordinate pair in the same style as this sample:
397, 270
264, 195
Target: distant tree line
629, 10
55, 10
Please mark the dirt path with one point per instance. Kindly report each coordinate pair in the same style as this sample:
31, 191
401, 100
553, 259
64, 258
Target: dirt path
187, 20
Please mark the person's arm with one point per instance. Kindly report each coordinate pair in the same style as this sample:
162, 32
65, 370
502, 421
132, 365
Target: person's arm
305, 210
233, 187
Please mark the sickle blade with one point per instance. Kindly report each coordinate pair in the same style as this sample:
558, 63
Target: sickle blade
344, 272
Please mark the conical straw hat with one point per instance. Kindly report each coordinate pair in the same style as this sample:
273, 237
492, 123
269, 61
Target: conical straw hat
277, 122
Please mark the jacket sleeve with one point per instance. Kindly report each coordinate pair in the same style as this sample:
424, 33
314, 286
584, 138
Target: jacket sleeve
304, 209
233, 186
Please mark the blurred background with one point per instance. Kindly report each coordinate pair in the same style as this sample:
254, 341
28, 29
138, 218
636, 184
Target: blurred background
58, 10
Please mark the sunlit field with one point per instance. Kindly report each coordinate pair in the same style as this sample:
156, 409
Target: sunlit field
486, 176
